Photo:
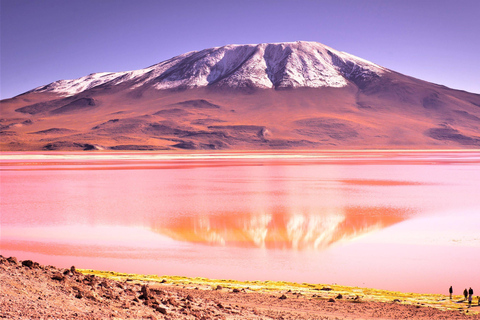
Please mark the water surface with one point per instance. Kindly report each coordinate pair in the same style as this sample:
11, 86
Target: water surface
407, 221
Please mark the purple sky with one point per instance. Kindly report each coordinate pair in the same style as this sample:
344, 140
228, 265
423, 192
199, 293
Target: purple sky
48, 40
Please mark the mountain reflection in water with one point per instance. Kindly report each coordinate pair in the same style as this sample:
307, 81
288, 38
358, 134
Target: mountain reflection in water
405, 221
281, 230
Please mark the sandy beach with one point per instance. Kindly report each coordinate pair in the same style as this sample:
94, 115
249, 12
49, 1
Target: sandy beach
29, 290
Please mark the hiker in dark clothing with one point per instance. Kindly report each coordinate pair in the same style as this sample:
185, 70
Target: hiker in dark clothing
465, 294
470, 296
451, 292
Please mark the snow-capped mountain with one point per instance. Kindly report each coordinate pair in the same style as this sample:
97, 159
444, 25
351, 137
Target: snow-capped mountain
264, 66
293, 95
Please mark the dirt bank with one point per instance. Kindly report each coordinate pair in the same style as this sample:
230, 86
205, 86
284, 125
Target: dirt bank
32, 291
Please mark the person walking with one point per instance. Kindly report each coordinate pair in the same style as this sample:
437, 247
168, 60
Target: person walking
450, 290
470, 296
465, 294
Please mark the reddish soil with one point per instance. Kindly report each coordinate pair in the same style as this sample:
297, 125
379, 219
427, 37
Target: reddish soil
32, 291
400, 114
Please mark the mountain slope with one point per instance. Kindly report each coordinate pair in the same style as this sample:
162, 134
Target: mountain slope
299, 95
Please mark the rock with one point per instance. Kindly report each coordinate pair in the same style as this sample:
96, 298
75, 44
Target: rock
58, 276
326, 289
161, 310
397, 300
156, 289
72, 269
109, 295
12, 260
219, 305
90, 280
339, 296
66, 272
91, 296
145, 293
128, 291
331, 300
172, 302
236, 290
189, 298
79, 295
163, 281
27, 263
283, 297
219, 287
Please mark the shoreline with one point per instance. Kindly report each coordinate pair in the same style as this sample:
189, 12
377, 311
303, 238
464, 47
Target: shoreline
320, 291
29, 290
167, 154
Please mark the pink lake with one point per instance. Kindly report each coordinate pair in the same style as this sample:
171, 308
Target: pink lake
403, 221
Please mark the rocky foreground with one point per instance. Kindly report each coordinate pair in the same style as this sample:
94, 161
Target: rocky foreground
32, 291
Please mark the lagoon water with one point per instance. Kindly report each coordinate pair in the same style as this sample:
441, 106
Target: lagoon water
403, 221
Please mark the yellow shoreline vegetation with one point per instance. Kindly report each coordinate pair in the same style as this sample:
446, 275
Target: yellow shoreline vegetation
313, 291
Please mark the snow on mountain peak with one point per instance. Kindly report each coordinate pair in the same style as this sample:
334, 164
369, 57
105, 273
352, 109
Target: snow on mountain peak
266, 66
71, 87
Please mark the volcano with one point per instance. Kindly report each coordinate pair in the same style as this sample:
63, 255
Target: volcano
295, 95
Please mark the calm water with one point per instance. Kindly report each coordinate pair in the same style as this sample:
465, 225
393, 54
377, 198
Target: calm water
399, 221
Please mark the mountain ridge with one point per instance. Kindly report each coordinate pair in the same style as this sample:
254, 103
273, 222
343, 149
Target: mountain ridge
294, 95
271, 65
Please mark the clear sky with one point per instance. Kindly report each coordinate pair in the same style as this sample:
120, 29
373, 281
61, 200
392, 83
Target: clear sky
48, 40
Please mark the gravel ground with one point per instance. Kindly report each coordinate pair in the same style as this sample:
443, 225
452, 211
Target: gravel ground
32, 291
